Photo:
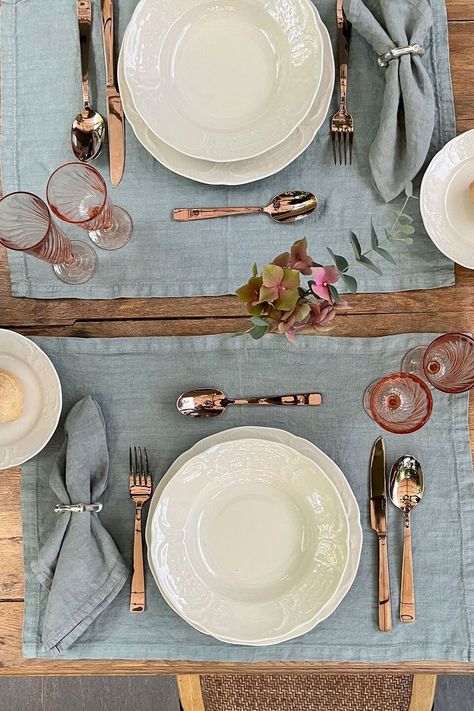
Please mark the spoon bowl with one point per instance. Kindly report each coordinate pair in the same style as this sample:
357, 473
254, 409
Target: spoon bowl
406, 488
406, 483
202, 403
87, 134
291, 206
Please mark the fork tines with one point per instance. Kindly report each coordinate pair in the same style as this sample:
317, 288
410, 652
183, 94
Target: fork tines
139, 469
345, 139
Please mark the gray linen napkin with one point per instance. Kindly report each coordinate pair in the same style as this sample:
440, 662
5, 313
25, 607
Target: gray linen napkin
407, 115
79, 563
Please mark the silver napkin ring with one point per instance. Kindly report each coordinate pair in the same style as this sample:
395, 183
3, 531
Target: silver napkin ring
397, 52
77, 508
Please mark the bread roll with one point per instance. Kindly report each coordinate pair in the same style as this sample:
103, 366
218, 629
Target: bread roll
11, 397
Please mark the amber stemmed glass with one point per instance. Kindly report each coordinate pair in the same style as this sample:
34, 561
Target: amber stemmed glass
446, 364
400, 403
77, 194
26, 226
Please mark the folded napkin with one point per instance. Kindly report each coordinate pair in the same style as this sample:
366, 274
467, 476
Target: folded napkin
407, 115
79, 563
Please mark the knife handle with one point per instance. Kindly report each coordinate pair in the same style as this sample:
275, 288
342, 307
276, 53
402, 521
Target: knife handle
108, 37
385, 605
407, 593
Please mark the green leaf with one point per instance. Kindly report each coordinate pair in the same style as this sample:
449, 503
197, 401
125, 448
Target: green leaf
316, 264
302, 292
406, 229
350, 283
355, 245
405, 219
254, 269
258, 332
374, 241
370, 265
386, 255
257, 321
334, 293
340, 262
409, 189
408, 240
388, 234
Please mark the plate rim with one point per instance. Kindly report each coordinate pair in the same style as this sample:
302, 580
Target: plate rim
21, 339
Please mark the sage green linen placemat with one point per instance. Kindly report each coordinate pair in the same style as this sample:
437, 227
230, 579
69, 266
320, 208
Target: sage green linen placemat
136, 382
41, 77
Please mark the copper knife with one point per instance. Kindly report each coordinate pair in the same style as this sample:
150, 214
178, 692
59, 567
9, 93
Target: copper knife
378, 521
115, 117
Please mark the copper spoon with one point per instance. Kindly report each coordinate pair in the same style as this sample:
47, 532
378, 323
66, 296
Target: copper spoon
88, 128
209, 403
406, 491
287, 207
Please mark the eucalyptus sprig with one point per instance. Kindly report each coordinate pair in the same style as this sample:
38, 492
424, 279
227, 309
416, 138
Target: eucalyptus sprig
401, 231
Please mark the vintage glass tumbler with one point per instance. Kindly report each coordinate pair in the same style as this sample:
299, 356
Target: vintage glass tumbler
400, 403
446, 364
77, 193
26, 225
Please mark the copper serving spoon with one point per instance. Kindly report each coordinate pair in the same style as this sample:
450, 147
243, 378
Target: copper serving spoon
207, 402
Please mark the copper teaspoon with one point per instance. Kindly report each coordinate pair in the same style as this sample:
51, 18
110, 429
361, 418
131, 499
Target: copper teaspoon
406, 491
287, 207
88, 128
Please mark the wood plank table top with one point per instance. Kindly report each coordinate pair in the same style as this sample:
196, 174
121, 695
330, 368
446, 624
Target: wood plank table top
445, 309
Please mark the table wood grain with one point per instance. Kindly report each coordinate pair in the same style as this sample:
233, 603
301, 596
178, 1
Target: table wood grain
371, 315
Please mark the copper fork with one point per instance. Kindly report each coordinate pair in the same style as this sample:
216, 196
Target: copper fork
342, 123
140, 491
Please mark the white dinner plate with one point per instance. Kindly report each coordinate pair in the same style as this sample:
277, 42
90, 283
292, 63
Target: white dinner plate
303, 613
223, 81
445, 203
25, 437
244, 171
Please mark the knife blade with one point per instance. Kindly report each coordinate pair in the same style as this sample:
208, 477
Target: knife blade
115, 116
378, 521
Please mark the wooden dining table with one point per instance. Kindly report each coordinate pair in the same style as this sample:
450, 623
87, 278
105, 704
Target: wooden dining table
446, 309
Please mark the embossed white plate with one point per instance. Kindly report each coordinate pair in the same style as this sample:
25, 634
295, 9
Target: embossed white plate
445, 203
248, 540
223, 81
242, 171
22, 439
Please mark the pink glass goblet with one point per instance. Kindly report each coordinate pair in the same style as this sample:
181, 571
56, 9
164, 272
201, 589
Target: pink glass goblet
77, 194
446, 364
400, 403
26, 226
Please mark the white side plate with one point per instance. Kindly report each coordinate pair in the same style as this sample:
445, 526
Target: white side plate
248, 586
445, 203
24, 438
244, 171
223, 81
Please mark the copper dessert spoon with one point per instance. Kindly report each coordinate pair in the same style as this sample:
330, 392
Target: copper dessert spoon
210, 403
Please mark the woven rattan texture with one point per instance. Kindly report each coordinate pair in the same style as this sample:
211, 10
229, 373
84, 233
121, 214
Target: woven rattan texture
304, 692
